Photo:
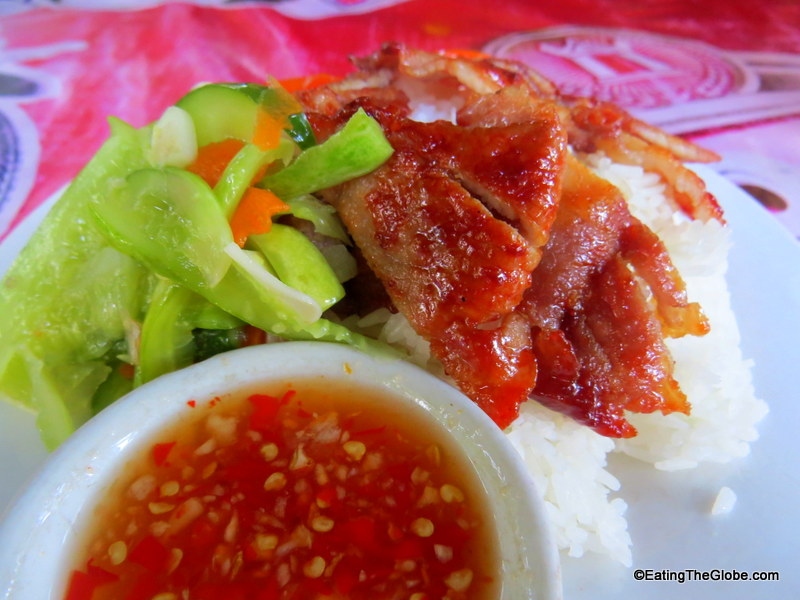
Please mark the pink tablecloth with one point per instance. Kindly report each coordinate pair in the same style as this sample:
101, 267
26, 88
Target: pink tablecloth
723, 72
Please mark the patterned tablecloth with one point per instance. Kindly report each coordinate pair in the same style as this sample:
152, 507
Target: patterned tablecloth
725, 73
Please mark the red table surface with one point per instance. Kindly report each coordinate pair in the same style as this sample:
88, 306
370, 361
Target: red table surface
83, 65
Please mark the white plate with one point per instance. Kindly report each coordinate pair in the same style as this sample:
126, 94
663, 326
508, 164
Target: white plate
668, 512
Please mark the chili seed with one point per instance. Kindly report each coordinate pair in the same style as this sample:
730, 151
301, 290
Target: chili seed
169, 488
355, 449
422, 527
418, 596
187, 511
222, 428
451, 493
206, 447
283, 574
175, 558
373, 461
231, 529
265, 542
159, 528
443, 553
322, 524
276, 481
459, 580
314, 568
165, 596
269, 452
394, 532
430, 495
159, 508
118, 552
320, 476
238, 563
406, 566
434, 454
300, 460
209, 469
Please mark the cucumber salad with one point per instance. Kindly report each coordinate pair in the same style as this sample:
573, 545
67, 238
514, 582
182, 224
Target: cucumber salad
163, 251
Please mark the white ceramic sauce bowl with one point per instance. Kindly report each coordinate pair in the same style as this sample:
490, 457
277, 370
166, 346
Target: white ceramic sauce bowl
39, 531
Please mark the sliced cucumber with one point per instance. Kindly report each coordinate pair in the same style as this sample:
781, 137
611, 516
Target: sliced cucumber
173, 215
230, 110
299, 264
356, 149
220, 112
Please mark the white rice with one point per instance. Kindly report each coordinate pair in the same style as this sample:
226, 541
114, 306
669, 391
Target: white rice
568, 461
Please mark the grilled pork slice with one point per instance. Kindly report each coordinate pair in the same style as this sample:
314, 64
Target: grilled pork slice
525, 271
453, 225
600, 304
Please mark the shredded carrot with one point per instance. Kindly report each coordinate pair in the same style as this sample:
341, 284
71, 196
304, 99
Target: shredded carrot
464, 53
254, 213
268, 131
296, 84
161, 452
213, 158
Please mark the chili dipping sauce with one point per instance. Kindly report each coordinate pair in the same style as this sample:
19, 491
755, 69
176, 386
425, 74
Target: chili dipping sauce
305, 492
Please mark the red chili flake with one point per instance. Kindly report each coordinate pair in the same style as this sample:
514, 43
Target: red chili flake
161, 452
150, 553
82, 585
265, 408
345, 578
144, 589
287, 396
409, 548
247, 469
191, 403
361, 531
99, 573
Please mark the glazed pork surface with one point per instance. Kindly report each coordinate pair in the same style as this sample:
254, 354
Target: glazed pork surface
524, 270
